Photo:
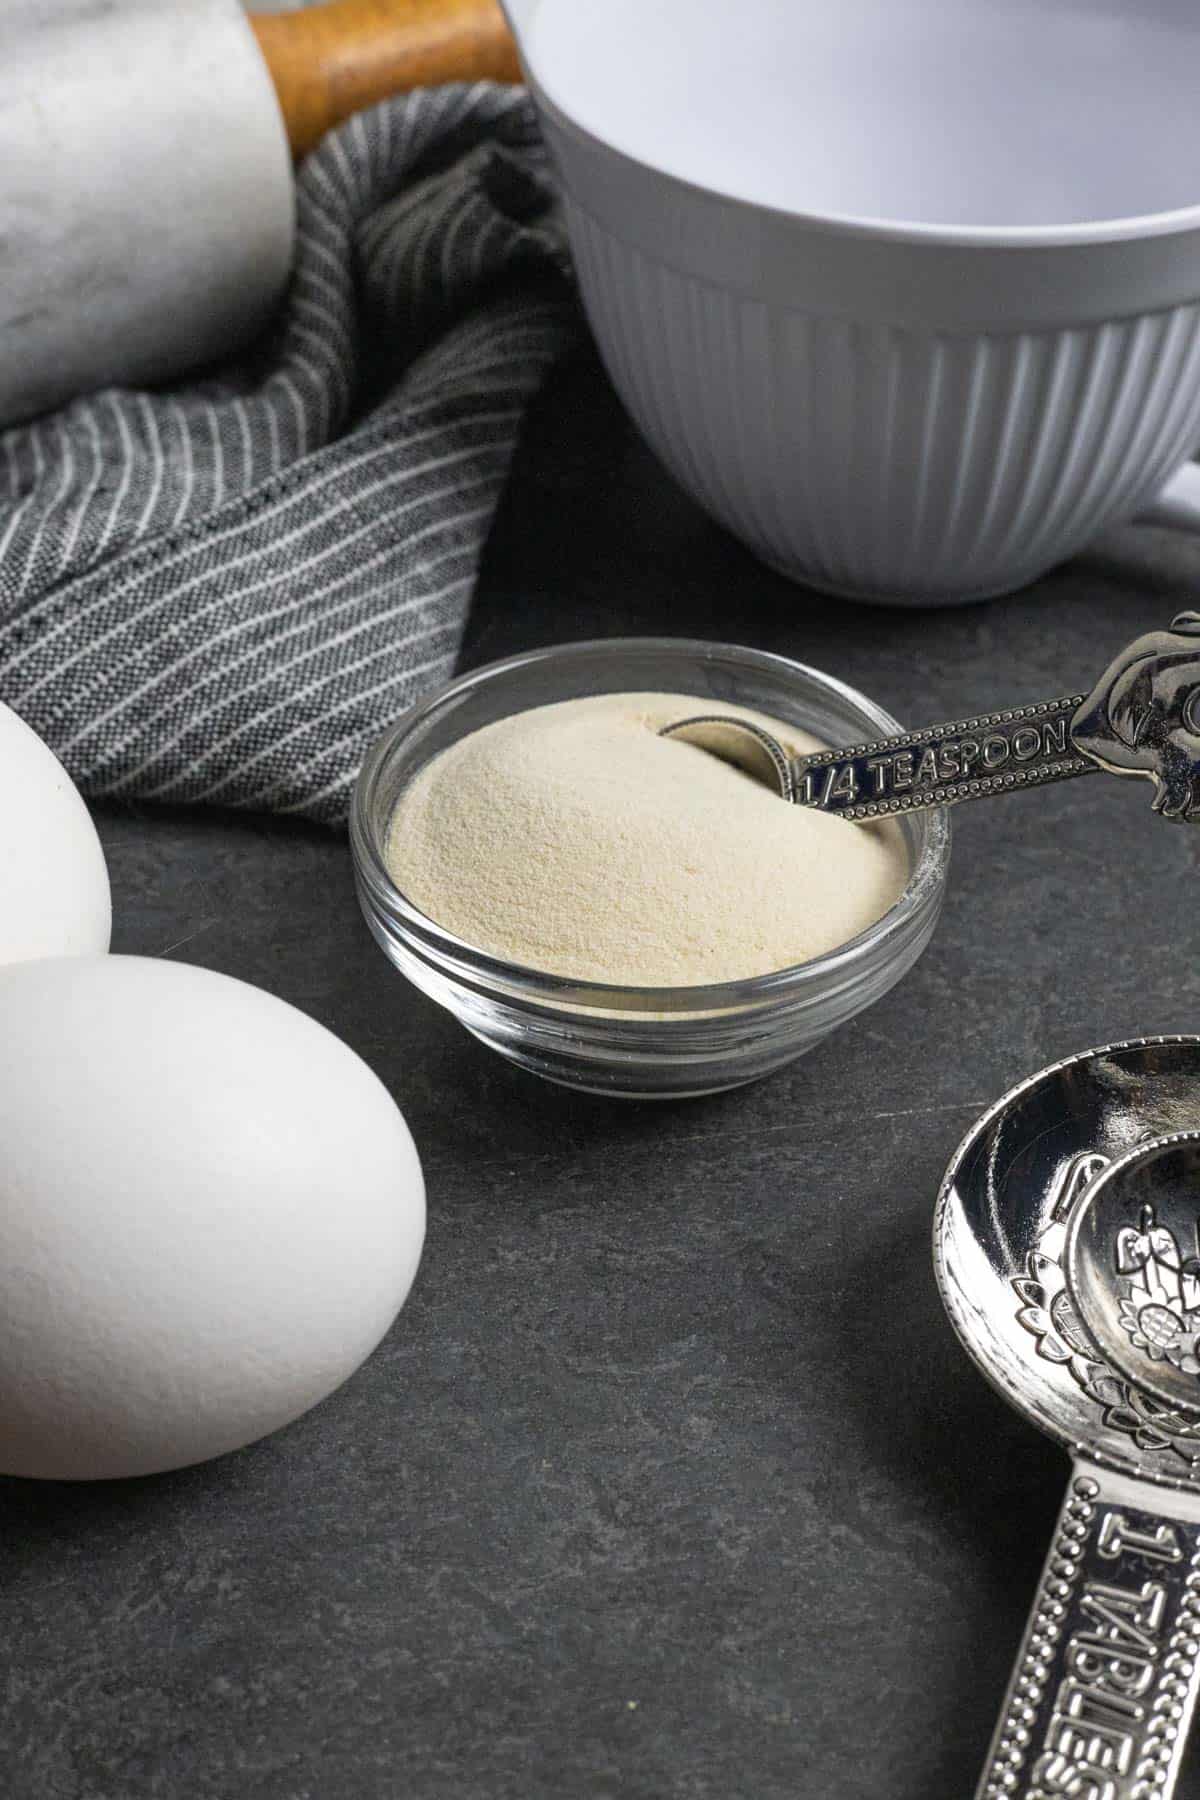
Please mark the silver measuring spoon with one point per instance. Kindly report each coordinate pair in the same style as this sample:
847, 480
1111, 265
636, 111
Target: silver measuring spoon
1064, 1244
1141, 718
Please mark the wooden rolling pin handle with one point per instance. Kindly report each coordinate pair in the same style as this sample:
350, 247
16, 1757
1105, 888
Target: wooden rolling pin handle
329, 61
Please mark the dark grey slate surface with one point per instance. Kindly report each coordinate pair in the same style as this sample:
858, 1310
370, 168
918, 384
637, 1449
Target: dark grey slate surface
671, 1480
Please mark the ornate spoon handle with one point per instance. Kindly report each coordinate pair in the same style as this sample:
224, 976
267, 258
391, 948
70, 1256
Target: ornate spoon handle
1105, 1680
1018, 748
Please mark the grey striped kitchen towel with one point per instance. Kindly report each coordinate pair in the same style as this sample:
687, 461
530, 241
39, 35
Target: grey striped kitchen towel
219, 594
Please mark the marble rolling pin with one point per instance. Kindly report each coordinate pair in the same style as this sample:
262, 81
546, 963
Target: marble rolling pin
146, 208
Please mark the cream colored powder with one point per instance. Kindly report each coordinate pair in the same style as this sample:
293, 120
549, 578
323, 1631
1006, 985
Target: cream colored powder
572, 839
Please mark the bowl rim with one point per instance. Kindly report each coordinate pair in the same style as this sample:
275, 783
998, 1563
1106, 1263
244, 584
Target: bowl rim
926, 880
1119, 229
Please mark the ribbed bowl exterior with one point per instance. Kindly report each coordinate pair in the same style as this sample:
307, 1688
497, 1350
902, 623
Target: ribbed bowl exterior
885, 461
891, 412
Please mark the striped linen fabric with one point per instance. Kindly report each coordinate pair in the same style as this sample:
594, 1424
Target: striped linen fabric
222, 592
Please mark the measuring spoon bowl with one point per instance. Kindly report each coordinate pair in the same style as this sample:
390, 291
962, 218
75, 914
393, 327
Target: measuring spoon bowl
1133, 1268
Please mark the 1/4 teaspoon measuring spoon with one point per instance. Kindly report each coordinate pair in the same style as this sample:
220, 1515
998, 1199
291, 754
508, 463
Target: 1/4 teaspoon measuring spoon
1141, 718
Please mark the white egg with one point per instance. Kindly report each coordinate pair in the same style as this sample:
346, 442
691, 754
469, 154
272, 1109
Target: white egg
54, 898
210, 1213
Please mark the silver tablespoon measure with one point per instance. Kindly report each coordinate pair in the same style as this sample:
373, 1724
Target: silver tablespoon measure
1064, 1245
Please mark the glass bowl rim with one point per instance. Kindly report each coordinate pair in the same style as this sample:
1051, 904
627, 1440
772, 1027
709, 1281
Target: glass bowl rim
926, 877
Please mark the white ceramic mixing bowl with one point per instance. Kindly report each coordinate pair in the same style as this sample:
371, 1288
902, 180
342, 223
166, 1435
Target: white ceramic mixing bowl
906, 294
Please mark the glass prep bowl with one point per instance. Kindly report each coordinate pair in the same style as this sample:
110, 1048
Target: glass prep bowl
650, 1043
